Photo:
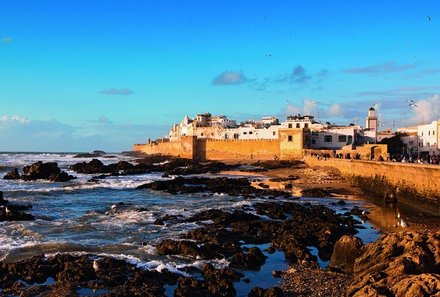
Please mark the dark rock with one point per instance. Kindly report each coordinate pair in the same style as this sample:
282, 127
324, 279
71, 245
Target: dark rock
40, 170
189, 287
316, 192
277, 273
12, 175
230, 186
271, 292
253, 260
119, 278
186, 248
340, 202
7, 213
345, 252
61, 177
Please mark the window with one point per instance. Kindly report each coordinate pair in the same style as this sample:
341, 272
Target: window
274, 133
290, 138
250, 132
290, 126
328, 138
306, 125
350, 139
226, 136
298, 126
429, 132
342, 138
244, 133
201, 134
313, 141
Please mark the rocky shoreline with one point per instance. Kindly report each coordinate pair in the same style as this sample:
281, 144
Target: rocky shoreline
398, 262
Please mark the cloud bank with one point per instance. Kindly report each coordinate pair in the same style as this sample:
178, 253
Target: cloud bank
18, 133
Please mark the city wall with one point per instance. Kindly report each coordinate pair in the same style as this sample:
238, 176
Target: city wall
212, 149
424, 179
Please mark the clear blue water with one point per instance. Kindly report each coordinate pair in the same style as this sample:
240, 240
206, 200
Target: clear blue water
77, 217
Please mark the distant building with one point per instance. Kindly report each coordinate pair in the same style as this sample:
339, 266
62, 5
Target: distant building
387, 133
428, 138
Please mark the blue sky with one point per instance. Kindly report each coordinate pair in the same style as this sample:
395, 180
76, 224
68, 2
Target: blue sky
83, 75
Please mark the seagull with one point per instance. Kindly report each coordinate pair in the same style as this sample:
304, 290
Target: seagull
7, 210
268, 55
413, 105
95, 265
429, 18
411, 101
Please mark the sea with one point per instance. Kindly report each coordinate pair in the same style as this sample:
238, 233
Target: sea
79, 217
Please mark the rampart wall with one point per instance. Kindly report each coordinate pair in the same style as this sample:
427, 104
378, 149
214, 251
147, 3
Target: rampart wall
423, 178
211, 149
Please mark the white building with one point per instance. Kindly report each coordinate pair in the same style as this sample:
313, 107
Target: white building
334, 137
428, 138
409, 137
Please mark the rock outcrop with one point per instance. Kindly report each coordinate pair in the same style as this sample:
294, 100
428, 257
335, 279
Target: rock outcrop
39, 170
399, 264
345, 252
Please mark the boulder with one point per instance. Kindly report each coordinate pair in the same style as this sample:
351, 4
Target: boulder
345, 252
40, 170
399, 264
12, 175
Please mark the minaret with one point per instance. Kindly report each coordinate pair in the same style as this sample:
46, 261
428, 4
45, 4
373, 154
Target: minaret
371, 120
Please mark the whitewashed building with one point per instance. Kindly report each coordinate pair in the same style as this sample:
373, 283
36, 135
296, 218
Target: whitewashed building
428, 138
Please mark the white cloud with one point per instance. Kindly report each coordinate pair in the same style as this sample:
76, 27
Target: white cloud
13, 119
335, 110
426, 110
230, 78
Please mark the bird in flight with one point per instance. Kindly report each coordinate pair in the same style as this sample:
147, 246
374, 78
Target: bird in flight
413, 105
429, 17
410, 101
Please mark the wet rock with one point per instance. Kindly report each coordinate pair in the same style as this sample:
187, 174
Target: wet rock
189, 287
13, 212
12, 175
399, 264
345, 252
230, 186
253, 259
61, 177
70, 273
187, 248
168, 219
40, 170
341, 202
271, 292
316, 192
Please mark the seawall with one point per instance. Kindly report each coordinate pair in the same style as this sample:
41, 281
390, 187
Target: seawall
417, 185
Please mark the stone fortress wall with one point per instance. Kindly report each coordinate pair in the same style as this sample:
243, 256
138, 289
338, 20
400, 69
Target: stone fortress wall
289, 145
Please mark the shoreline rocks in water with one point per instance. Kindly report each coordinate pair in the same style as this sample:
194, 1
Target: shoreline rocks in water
39, 170
13, 212
170, 166
230, 186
